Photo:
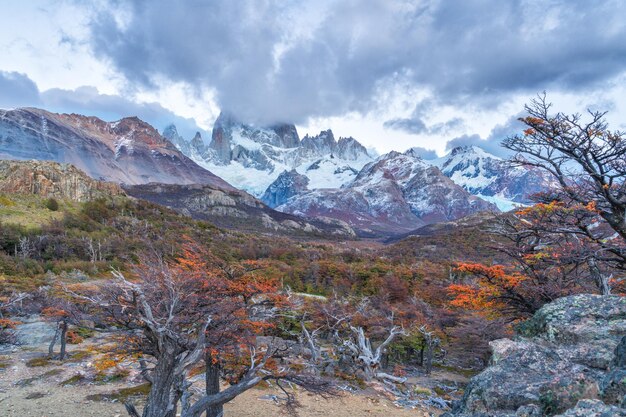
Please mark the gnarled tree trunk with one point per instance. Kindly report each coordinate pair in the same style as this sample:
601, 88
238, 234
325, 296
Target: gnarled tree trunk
213, 384
160, 402
64, 327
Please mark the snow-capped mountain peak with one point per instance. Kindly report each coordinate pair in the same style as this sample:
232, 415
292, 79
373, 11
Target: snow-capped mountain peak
253, 157
492, 178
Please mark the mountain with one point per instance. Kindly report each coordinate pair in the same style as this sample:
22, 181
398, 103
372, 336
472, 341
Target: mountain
51, 179
253, 157
492, 178
236, 209
133, 153
396, 193
126, 151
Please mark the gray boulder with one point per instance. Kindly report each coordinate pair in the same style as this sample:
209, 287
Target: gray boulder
34, 332
593, 408
569, 351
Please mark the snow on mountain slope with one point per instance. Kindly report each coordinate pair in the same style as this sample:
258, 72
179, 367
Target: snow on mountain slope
396, 192
253, 157
492, 178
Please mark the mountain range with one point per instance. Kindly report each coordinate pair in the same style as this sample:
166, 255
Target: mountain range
333, 183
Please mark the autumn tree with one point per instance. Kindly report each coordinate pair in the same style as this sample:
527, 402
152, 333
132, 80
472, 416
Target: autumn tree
9, 300
176, 313
588, 163
574, 237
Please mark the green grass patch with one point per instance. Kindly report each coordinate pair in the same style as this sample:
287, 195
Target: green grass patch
123, 395
73, 380
78, 356
422, 391
36, 362
30, 211
29, 381
6, 201
467, 373
107, 378
5, 362
35, 395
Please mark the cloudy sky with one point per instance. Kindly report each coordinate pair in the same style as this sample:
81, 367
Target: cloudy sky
392, 73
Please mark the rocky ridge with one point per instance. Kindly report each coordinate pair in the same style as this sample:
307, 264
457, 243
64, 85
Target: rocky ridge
254, 156
492, 178
569, 359
235, 209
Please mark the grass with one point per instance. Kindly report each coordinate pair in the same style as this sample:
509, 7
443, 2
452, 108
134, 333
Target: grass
29, 381
30, 210
118, 375
35, 395
78, 356
5, 361
73, 380
422, 391
36, 362
467, 373
122, 395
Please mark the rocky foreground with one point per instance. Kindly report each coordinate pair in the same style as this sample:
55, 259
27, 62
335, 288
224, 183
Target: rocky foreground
568, 360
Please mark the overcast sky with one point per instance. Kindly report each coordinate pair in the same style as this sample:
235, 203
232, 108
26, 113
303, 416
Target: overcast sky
393, 74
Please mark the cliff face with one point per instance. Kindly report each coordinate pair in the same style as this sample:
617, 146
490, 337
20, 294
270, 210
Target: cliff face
51, 179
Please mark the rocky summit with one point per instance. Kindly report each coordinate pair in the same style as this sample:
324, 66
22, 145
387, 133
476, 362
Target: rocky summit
493, 178
252, 157
569, 359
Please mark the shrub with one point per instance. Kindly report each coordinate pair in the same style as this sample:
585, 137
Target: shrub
52, 204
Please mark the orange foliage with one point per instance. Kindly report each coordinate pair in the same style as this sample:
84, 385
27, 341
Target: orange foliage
486, 294
7, 324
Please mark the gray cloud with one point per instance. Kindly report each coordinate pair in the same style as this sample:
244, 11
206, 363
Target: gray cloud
274, 60
416, 125
409, 125
18, 90
87, 100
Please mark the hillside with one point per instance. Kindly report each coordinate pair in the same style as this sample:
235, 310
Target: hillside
237, 210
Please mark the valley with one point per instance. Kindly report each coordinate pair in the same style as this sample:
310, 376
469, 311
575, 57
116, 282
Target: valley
312, 276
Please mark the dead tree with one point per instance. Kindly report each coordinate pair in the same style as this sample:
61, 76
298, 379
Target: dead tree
431, 342
369, 358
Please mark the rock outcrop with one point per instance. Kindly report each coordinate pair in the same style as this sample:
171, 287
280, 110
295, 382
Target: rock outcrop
571, 350
288, 184
51, 179
251, 157
493, 178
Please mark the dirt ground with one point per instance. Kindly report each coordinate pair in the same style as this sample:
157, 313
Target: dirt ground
27, 391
